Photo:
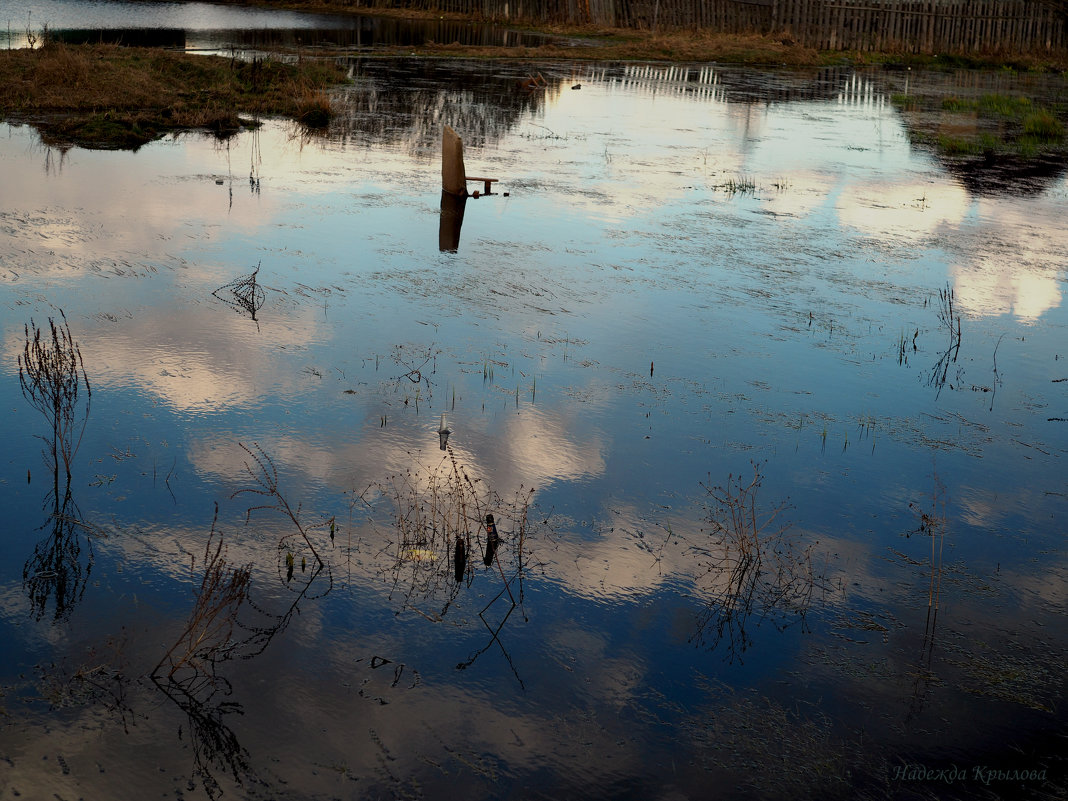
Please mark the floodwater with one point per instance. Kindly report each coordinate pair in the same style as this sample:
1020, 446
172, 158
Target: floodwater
769, 407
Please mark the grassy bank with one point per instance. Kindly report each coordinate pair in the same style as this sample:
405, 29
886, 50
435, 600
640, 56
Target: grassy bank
106, 95
629, 45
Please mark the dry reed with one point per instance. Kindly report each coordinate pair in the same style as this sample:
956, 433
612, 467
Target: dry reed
52, 376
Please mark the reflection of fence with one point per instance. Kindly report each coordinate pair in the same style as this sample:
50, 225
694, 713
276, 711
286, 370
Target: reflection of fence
922, 26
843, 86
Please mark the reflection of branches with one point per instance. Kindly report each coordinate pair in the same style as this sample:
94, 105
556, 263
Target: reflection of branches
299, 543
495, 631
438, 515
950, 320
223, 589
186, 673
271, 624
265, 477
51, 373
755, 568
215, 746
101, 679
437, 519
416, 371
55, 569
492, 557
932, 524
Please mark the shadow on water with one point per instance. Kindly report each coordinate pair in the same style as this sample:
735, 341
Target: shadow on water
992, 175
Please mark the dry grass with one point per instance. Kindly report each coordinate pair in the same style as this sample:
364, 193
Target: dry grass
106, 94
631, 45
52, 376
313, 108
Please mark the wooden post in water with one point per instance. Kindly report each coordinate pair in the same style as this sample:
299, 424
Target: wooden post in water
453, 176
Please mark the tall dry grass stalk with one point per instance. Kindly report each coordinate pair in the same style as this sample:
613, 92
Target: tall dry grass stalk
53, 379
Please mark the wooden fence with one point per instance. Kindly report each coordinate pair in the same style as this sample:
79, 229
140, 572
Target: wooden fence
1010, 26
918, 26
908, 26
927, 26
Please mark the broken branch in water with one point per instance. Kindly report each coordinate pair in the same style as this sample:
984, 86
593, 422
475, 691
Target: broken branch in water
247, 294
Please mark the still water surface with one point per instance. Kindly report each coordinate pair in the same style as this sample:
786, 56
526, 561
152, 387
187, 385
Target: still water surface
686, 278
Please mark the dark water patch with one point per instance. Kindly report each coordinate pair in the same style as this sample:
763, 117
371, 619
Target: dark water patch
1007, 175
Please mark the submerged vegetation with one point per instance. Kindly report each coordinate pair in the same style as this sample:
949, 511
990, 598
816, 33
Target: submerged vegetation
112, 96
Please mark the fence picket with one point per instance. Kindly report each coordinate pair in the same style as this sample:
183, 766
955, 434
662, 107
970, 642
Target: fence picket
931, 26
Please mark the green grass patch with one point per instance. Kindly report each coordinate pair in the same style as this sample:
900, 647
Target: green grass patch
991, 105
957, 104
999, 125
1043, 126
1010, 106
905, 102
